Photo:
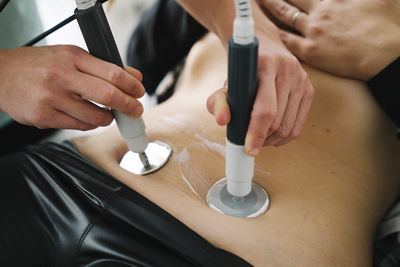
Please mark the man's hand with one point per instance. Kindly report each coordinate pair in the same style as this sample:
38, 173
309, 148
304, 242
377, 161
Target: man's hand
54, 86
351, 38
282, 103
284, 94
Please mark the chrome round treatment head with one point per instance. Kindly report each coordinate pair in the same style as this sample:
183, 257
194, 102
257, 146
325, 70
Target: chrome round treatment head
154, 157
250, 206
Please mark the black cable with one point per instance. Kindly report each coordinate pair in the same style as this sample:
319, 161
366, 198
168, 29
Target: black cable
46, 33
3, 4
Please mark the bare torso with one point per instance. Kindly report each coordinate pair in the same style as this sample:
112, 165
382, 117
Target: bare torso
328, 189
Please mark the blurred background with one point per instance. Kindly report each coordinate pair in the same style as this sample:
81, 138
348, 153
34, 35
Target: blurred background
122, 15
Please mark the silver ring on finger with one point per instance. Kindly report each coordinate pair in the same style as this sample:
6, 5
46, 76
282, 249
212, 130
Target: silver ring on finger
294, 18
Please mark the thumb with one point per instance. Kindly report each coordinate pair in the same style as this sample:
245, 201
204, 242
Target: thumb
217, 105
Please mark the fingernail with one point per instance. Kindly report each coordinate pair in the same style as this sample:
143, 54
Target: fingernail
220, 118
253, 151
138, 111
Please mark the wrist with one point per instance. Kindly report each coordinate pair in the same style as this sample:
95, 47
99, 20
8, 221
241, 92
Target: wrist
216, 16
384, 55
263, 27
266, 31
3, 75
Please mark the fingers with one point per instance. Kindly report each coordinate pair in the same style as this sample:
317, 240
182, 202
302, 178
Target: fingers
217, 105
305, 5
286, 13
60, 120
137, 74
86, 111
282, 94
296, 111
301, 118
128, 81
284, 129
294, 43
281, 106
263, 113
104, 93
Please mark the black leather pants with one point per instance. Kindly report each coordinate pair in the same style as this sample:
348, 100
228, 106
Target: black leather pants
59, 209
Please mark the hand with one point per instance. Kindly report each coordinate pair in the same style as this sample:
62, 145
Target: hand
53, 86
282, 103
351, 38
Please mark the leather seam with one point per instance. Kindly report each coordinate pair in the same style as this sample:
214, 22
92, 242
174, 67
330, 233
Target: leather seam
81, 240
111, 198
104, 208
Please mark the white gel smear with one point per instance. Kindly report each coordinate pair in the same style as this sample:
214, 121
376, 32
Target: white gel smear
183, 158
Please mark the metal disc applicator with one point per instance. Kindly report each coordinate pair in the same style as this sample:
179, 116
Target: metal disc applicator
236, 195
143, 157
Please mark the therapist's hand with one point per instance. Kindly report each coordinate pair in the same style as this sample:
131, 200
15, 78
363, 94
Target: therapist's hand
282, 102
353, 38
53, 86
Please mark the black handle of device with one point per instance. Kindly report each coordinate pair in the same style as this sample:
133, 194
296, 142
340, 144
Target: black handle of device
97, 34
242, 88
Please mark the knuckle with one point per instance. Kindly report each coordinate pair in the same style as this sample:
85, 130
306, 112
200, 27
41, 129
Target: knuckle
137, 89
115, 75
283, 131
69, 52
128, 104
68, 49
295, 133
265, 114
282, 9
51, 72
325, 15
44, 98
108, 96
297, 89
274, 127
315, 30
302, 84
309, 49
259, 132
264, 61
40, 118
262, 135
304, 79
292, 65
99, 119
309, 94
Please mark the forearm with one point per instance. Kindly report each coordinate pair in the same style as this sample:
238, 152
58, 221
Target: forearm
3, 77
218, 16
277, 116
386, 50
